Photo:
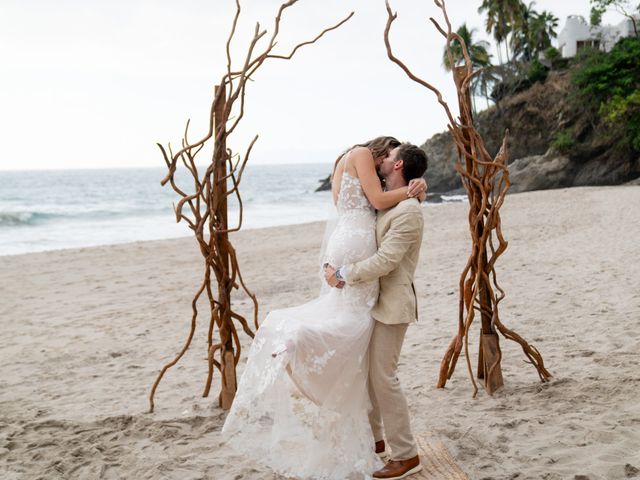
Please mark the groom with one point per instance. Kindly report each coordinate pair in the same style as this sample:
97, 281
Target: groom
399, 235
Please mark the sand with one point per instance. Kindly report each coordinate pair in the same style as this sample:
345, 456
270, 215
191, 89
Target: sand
84, 332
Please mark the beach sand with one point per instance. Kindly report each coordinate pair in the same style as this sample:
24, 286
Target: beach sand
83, 334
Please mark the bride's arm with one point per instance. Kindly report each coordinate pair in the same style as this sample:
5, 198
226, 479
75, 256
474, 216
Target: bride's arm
365, 166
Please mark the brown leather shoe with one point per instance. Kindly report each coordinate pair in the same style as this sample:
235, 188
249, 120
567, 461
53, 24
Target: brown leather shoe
398, 469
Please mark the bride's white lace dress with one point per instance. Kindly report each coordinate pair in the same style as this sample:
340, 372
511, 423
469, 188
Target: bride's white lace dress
304, 412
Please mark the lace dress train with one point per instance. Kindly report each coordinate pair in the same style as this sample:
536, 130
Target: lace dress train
302, 402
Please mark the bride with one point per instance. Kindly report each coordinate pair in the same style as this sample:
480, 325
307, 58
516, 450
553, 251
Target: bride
302, 403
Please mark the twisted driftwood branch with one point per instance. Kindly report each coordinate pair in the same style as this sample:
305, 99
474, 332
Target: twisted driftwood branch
486, 181
206, 214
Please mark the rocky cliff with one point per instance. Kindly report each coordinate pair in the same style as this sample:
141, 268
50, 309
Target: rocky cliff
537, 160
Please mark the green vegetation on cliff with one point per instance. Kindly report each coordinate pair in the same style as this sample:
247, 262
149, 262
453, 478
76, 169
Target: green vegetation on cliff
604, 86
607, 88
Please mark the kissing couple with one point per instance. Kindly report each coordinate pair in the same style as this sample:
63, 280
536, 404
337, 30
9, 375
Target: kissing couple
320, 397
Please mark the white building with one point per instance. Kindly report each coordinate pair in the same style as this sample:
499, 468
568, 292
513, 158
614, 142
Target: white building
577, 34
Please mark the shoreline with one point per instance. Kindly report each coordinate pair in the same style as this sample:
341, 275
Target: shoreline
190, 235
152, 241
85, 331
439, 202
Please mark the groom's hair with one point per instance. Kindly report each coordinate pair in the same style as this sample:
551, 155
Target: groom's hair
414, 161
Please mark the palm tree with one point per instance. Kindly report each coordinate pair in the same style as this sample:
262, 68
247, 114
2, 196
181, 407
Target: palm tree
542, 30
533, 32
486, 81
478, 53
520, 39
502, 15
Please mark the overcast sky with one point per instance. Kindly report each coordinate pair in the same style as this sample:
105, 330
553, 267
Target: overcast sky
94, 84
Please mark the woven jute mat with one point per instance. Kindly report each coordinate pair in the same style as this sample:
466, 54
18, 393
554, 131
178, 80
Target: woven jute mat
437, 462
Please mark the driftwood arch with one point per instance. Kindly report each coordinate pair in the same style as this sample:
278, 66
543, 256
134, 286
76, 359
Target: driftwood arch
204, 209
486, 181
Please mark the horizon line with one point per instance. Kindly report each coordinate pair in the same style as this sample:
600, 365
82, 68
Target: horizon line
142, 167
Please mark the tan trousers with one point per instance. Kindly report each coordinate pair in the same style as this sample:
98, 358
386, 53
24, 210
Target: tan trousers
390, 414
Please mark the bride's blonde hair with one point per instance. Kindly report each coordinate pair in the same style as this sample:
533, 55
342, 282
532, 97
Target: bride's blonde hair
379, 147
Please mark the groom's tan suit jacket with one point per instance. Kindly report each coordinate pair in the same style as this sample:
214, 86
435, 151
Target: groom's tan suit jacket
399, 235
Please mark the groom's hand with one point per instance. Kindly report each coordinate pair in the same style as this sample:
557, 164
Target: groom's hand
330, 277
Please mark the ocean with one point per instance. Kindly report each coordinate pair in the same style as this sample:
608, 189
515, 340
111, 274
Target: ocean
55, 209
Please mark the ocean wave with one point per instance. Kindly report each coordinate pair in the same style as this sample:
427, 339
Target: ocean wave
454, 198
13, 219
67, 209
29, 218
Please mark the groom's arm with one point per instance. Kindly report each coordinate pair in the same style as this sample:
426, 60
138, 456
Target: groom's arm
404, 231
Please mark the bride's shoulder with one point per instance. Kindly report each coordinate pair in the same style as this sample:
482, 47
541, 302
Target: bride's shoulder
360, 155
359, 151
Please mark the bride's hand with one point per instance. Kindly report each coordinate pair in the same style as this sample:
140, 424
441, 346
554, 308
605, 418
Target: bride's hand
330, 277
417, 188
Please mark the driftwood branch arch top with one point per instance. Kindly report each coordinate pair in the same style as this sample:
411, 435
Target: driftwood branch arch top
204, 209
